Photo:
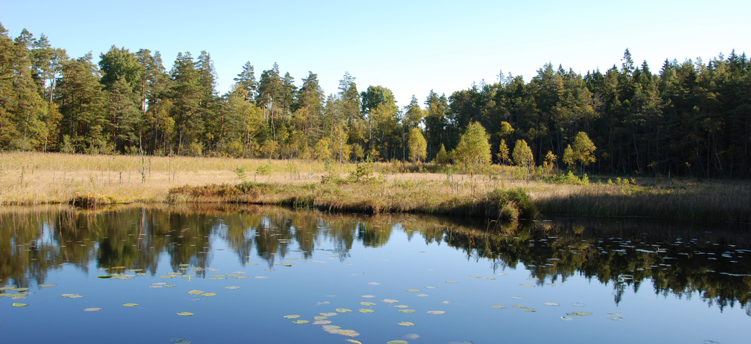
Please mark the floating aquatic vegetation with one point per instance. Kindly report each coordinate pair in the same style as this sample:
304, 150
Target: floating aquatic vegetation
354, 341
413, 290
407, 323
320, 317
322, 322
268, 269
155, 286
407, 310
578, 304
552, 284
185, 314
71, 296
16, 304
401, 306
348, 333
331, 327
527, 309
412, 336
130, 304
390, 301
368, 296
329, 314
436, 312
567, 318
616, 318
578, 314
366, 310
518, 306
368, 303
474, 276
498, 306
343, 310
291, 316
232, 287
527, 285
92, 309
208, 294
489, 278
300, 322
46, 285
250, 264
552, 304
430, 287
219, 277
615, 313
195, 292
397, 342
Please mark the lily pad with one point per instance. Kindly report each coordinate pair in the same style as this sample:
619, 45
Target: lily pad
616, 318
195, 292
413, 290
578, 314
208, 294
92, 309
232, 287
130, 304
16, 304
518, 306
366, 310
567, 318
300, 322
354, 341
436, 312
71, 296
474, 276
397, 342
390, 301
320, 317
186, 314
46, 285
551, 304
368, 303
368, 296
578, 304
329, 314
292, 316
430, 287
407, 310
343, 310
407, 323
401, 306
527, 285
527, 309
322, 322
498, 307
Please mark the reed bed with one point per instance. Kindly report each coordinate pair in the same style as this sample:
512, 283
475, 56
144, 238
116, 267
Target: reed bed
85, 180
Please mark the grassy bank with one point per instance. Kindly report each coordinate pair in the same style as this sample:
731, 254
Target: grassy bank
85, 180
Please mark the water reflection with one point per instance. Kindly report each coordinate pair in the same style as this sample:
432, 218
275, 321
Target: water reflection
681, 259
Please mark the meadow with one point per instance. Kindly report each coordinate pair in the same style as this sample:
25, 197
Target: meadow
498, 192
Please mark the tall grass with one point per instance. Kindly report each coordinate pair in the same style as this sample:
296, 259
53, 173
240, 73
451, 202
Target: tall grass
86, 180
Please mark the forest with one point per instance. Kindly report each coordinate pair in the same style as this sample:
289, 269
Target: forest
692, 118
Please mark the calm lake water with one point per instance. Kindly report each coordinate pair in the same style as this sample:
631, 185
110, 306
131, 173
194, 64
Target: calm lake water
270, 275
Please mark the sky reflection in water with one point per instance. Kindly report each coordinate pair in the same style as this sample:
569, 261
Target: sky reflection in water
641, 281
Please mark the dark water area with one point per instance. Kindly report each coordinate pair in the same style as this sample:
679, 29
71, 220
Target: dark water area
271, 275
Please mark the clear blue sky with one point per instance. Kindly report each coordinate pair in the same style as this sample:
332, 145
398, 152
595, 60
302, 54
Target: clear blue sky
410, 47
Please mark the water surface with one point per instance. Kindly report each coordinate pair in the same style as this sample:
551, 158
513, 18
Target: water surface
380, 279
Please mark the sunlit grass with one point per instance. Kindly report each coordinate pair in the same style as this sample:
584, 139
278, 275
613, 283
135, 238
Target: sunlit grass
49, 178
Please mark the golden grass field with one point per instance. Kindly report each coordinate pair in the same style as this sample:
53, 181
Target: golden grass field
48, 178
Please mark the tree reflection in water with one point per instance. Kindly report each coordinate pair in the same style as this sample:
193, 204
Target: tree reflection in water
683, 259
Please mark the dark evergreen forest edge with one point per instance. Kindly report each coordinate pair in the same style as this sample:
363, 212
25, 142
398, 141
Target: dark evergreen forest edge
692, 118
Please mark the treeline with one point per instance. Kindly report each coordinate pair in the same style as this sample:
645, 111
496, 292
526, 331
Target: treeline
691, 118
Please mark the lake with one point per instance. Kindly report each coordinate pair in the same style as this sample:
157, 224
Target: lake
271, 275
